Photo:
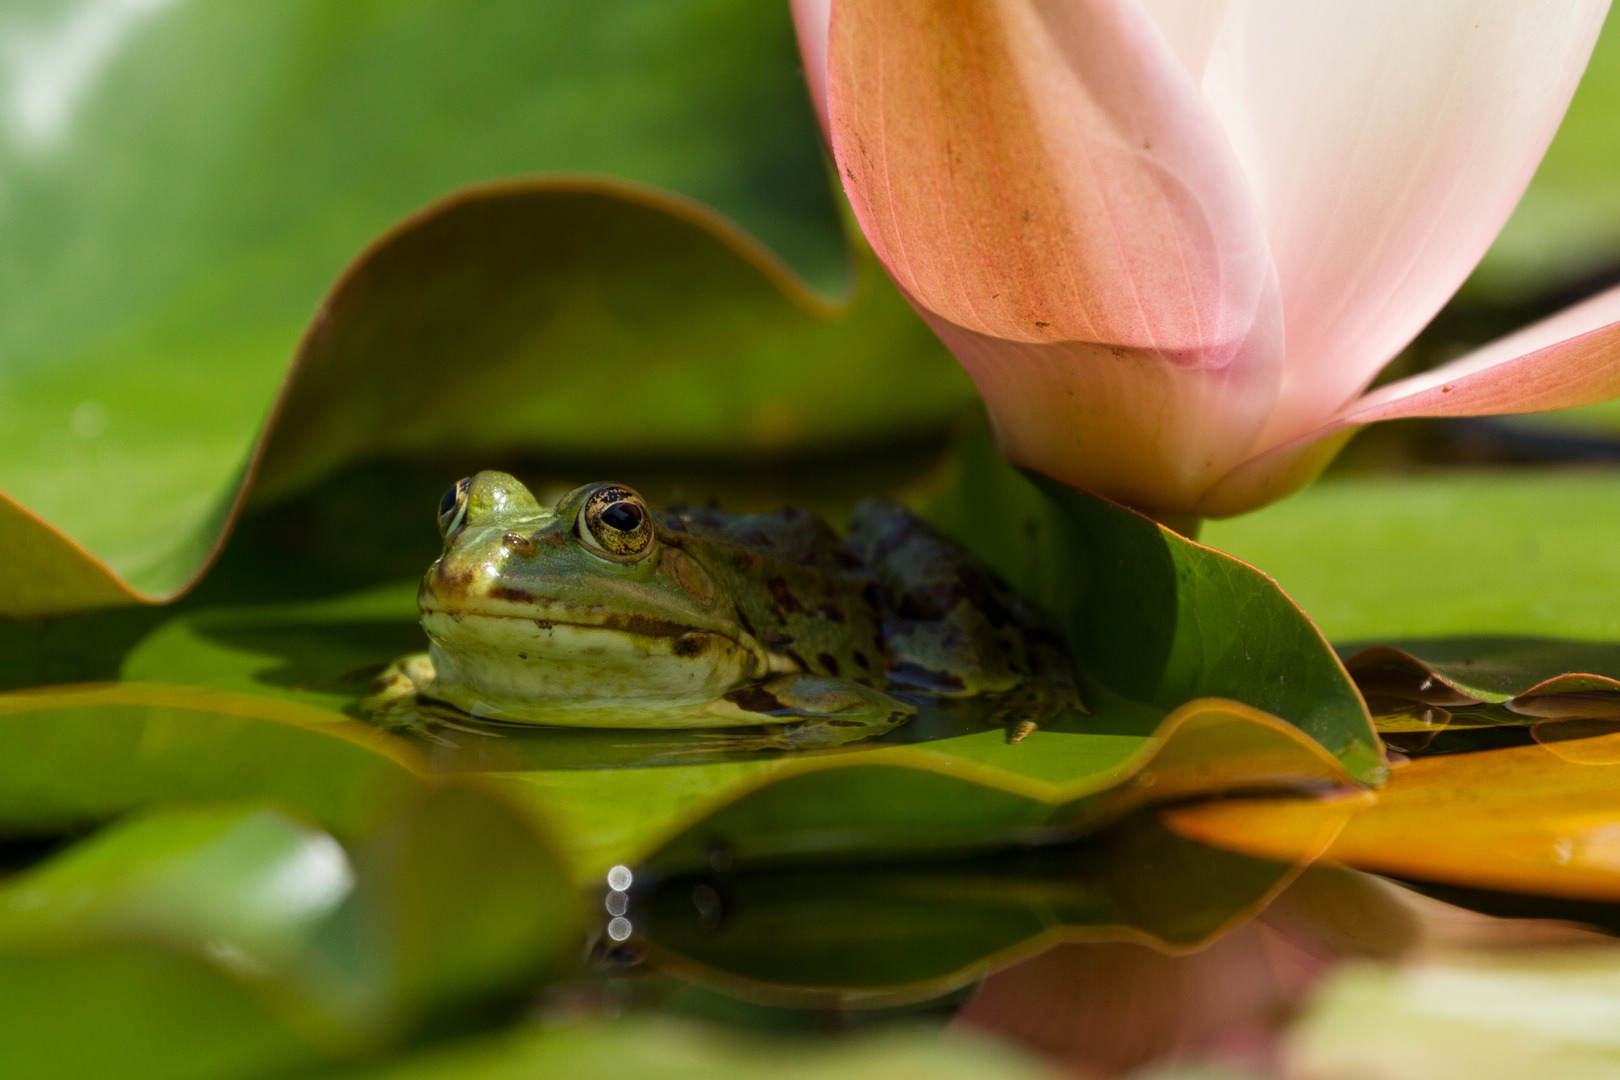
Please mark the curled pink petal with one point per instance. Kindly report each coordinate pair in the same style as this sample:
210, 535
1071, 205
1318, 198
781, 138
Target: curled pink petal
1567, 360
810, 19
1387, 143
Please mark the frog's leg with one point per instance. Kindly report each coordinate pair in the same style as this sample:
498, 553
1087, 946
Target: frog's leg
394, 701
817, 712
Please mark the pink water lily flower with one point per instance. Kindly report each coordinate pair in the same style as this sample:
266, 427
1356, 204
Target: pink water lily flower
1173, 241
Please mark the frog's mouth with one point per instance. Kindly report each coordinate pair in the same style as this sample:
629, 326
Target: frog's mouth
501, 658
648, 626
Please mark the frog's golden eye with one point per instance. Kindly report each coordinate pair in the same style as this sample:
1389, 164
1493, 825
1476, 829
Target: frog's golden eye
614, 522
453, 508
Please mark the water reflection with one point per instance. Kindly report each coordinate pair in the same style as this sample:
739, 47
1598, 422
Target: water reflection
886, 933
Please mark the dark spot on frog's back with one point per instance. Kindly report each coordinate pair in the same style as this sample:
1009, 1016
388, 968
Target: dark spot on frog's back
773, 638
831, 610
929, 602
830, 662
695, 643
783, 595
511, 595
755, 699
860, 658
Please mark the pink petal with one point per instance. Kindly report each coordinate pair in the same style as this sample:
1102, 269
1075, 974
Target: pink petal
1046, 173
1191, 27
1570, 359
1116, 420
810, 19
1050, 189
1387, 142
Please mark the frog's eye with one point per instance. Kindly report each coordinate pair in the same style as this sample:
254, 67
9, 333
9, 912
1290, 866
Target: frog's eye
614, 522
453, 508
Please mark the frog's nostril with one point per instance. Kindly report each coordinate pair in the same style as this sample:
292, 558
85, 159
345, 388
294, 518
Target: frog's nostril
518, 543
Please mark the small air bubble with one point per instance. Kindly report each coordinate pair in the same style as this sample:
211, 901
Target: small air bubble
619, 878
617, 902
619, 929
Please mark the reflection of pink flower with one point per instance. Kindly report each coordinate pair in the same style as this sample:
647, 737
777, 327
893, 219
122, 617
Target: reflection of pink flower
1174, 240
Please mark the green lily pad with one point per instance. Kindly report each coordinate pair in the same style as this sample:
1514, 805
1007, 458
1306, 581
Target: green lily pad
1463, 554
304, 951
81, 755
133, 405
1436, 611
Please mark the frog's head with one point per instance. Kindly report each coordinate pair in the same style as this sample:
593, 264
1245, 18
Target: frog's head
588, 599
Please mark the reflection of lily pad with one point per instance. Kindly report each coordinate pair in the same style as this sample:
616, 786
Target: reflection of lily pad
873, 935
1463, 670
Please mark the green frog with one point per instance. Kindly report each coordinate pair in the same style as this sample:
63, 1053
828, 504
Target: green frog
600, 612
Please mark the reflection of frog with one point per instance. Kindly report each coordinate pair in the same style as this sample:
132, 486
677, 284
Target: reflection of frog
602, 613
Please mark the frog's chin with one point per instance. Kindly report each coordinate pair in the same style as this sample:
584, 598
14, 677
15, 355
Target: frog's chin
503, 661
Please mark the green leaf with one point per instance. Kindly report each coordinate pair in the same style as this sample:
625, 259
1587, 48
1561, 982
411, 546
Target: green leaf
1452, 591
1506, 554
305, 945
661, 1049
1151, 616
81, 755
240, 155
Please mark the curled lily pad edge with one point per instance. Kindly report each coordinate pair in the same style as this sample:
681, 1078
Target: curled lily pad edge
67, 577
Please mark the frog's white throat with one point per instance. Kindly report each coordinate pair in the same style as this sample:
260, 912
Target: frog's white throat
493, 664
